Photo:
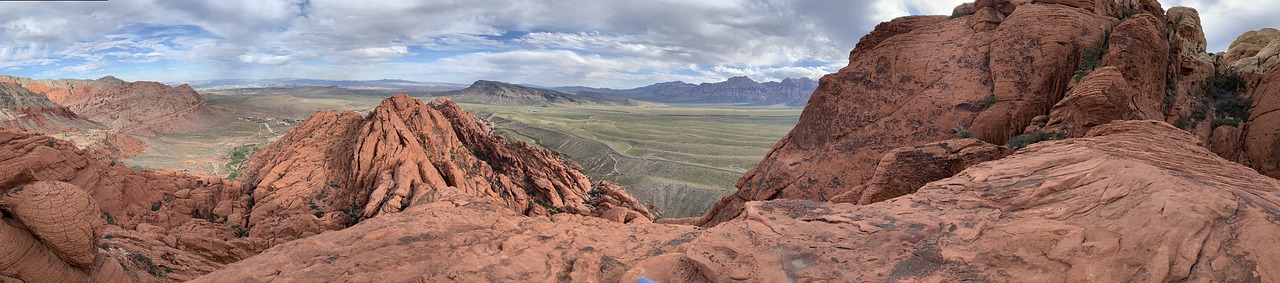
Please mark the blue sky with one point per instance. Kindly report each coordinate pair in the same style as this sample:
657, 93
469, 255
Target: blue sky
610, 43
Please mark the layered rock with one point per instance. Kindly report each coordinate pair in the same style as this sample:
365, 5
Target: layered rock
23, 109
1079, 210
140, 220
1075, 210
336, 169
65, 91
453, 236
903, 170
1254, 51
146, 108
1260, 139
1008, 62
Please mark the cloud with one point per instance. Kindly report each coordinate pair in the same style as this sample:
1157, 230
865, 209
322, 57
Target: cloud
616, 43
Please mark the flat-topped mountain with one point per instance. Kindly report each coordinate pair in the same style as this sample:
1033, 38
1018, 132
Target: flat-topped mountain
500, 93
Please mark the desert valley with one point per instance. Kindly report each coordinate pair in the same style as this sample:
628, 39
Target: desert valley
1010, 141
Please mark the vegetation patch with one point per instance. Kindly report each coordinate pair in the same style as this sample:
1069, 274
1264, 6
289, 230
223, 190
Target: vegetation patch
1090, 59
1221, 95
238, 155
962, 12
989, 101
1023, 140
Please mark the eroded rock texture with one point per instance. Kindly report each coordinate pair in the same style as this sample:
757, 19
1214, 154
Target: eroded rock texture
338, 168
1130, 201
146, 108
917, 80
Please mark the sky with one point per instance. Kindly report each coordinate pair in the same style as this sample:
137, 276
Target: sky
603, 43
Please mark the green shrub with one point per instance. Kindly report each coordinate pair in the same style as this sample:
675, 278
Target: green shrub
961, 13
1228, 121
1023, 140
1090, 59
989, 101
964, 134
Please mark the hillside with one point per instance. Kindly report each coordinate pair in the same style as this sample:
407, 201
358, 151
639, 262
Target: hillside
146, 108
736, 90
500, 93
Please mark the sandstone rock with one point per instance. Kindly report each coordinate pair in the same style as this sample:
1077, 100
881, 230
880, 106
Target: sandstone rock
900, 89
1190, 42
1226, 142
146, 108
22, 109
903, 170
60, 215
1261, 142
1254, 51
125, 201
480, 240
1101, 97
64, 91
613, 200
1075, 210
337, 169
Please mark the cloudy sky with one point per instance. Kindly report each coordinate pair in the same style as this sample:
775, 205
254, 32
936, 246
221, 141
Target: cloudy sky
612, 43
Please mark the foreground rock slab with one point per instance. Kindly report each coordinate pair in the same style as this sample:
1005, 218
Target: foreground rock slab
1131, 201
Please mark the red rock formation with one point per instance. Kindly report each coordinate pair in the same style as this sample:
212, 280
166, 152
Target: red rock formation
901, 89
64, 91
167, 202
338, 168
903, 170
22, 109
1075, 210
146, 108
453, 236
1261, 136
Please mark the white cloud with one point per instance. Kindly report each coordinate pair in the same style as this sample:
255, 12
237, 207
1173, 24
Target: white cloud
601, 42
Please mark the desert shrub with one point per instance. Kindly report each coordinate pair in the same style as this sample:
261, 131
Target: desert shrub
964, 134
1223, 95
989, 101
961, 13
1228, 121
1023, 140
1090, 59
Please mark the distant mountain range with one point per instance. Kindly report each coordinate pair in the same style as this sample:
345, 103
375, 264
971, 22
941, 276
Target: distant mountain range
735, 90
386, 84
500, 93
741, 90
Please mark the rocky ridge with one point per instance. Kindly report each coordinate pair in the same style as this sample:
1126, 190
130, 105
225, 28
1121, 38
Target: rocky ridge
146, 108
65, 91
335, 170
23, 109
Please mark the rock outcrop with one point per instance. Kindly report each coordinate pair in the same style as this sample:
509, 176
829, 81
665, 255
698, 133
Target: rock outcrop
65, 91
1081, 209
146, 108
1004, 64
23, 109
453, 236
1254, 51
903, 170
1259, 140
81, 206
336, 169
